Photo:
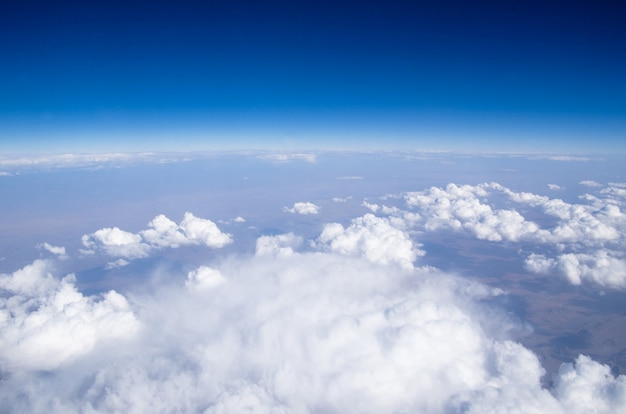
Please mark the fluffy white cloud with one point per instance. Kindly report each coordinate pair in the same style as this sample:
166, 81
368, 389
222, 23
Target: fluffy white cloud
461, 208
313, 332
280, 245
204, 278
161, 233
601, 267
588, 236
554, 187
589, 387
374, 238
116, 242
303, 208
46, 322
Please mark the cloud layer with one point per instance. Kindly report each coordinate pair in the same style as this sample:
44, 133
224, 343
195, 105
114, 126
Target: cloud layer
306, 332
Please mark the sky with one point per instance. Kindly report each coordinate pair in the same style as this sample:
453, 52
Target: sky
502, 76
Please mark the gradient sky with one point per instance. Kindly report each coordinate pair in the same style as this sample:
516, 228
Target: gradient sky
163, 75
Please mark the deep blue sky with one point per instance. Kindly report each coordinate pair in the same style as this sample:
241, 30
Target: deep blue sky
501, 75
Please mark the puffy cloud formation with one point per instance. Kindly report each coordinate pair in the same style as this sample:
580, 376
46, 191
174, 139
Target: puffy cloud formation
460, 208
306, 333
374, 238
280, 245
46, 322
161, 233
589, 237
303, 208
601, 267
204, 278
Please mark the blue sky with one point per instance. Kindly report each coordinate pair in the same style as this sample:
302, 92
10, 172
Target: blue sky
499, 76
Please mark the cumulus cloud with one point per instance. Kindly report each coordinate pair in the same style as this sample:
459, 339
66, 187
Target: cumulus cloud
280, 245
313, 332
161, 233
204, 278
461, 208
46, 322
554, 187
374, 238
303, 208
603, 267
589, 237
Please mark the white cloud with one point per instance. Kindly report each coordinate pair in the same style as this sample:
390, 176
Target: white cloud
371, 206
554, 187
284, 157
280, 245
57, 250
590, 183
239, 219
303, 208
602, 267
461, 208
589, 237
161, 233
350, 177
568, 158
341, 199
204, 278
116, 242
47, 322
313, 332
372, 237
587, 386
117, 263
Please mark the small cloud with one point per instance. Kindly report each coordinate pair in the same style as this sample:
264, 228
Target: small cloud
5, 174
239, 219
289, 157
58, 250
204, 278
341, 200
568, 158
590, 183
554, 187
281, 245
303, 208
350, 177
370, 206
117, 263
